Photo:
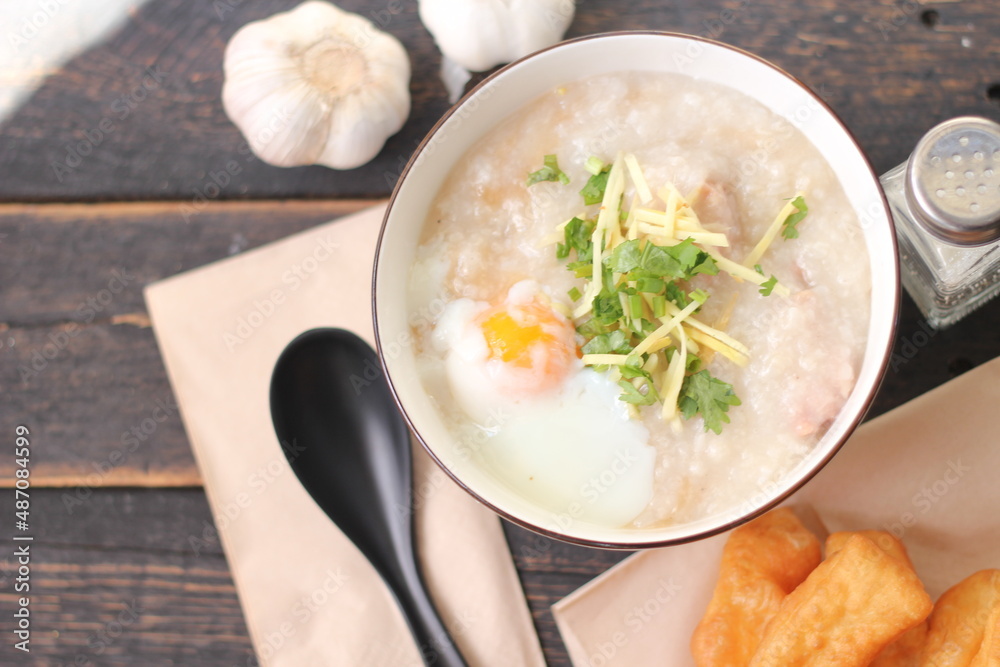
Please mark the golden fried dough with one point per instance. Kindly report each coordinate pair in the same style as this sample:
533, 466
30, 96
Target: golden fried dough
957, 626
885, 541
762, 562
852, 606
905, 651
989, 650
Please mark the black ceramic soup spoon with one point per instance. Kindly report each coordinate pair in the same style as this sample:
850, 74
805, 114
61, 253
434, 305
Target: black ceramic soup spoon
349, 446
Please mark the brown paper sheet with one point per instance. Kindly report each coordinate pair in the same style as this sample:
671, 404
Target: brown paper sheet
927, 471
309, 597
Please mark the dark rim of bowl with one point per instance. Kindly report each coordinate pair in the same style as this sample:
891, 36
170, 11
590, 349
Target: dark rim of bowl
799, 483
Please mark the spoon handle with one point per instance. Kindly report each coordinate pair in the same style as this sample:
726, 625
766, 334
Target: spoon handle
435, 644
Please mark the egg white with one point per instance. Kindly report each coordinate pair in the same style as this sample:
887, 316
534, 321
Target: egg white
572, 450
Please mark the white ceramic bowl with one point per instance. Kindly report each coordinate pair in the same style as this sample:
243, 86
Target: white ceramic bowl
521, 82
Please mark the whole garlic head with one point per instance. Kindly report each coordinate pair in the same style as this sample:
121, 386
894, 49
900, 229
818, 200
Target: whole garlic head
316, 85
480, 34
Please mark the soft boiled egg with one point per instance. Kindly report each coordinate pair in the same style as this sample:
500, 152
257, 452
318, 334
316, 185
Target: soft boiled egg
558, 433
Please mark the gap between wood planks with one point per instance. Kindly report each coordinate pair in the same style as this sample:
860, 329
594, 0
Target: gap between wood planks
59, 476
117, 209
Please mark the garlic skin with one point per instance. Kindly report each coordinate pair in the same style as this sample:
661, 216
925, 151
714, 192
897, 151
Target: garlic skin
480, 34
316, 85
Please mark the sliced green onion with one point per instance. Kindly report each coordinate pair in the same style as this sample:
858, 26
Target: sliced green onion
651, 285
659, 306
594, 165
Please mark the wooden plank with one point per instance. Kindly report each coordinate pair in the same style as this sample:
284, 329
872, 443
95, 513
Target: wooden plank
121, 549
100, 410
81, 366
115, 582
89, 263
891, 70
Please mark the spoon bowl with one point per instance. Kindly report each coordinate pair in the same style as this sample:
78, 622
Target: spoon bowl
347, 443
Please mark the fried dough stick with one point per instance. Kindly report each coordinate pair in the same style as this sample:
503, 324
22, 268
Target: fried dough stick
989, 650
905, 651
957, 627
762, 562
852, 606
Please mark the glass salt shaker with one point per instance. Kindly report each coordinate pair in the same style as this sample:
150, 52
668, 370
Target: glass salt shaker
945, 201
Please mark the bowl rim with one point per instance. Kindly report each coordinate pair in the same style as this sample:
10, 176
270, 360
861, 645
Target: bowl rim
886, 353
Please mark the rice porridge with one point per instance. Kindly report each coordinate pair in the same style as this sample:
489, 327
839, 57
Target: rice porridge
642, 296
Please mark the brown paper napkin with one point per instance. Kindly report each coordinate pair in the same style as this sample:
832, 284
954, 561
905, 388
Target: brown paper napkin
927, 471
310, 598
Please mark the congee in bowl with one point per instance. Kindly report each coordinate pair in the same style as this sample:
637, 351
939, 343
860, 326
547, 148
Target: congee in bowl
637, 305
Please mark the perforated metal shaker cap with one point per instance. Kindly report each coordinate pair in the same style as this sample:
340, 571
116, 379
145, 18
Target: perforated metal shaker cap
953, 181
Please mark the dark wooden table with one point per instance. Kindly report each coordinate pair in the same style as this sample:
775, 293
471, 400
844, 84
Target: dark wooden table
115, 578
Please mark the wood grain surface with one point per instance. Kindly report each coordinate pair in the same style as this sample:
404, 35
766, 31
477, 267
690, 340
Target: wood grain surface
117, 580
137, 577
890, 69
81, 366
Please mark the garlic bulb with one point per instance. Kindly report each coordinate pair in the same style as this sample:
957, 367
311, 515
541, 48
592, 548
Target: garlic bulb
316, 85
480, 34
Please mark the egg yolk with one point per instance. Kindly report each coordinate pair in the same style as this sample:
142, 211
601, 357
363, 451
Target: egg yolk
532, 339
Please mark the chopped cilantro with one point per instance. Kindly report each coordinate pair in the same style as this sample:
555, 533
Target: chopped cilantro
679, 262
633, 369
768, 285
614, 342
632, 395
593, 191
641, 277
608, 307
576, 235
703, 394
550, 172
691, 365
677, 295
788, 229
625, 257
591, 328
